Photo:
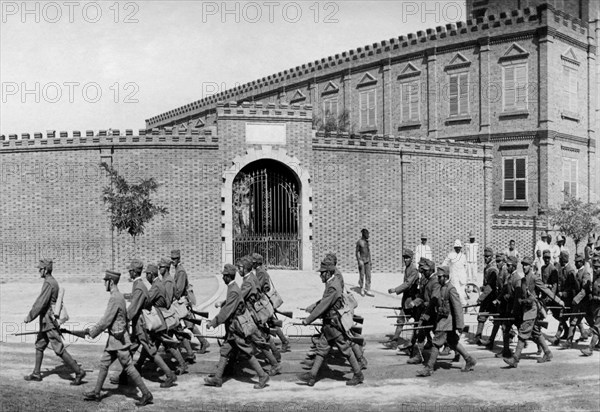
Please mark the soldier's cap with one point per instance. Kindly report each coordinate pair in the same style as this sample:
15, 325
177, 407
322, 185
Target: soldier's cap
457, 243
136, 265
426, 263
423, 236
547, 253
164, 263
175, 253
512, 260
527, 261
327, 265
229, 269
560, 238
471, 235
331, 256
45, 264
112, 275
488, 251
257, 258
500, 256
564, 254
544, 234
579, 257
407, 253
152, 268
443, 271
246, 263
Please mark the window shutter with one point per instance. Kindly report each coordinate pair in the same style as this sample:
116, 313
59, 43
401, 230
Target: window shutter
509, 172
363, 109
464, 94
414, 101
405, 102
453, 95
573, 90
372, 103
521, 86
520, 190
520, 168
509, 87
509, 190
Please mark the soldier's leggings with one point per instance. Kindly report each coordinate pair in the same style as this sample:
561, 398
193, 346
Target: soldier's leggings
53, 337
124, 357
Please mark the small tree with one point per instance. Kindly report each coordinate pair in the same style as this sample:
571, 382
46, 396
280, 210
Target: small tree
129, 204
576, 219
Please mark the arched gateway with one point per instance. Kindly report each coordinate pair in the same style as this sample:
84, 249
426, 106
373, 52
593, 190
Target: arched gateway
266, 210
266, 214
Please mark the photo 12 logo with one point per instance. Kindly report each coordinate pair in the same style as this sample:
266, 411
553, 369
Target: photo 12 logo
432, 11
69, 11
55, 92
270, 11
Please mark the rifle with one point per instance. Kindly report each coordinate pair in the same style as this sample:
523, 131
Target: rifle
502, 319
78, 333
472, 306
565, 314
388, 307
398, 316
210, 337
289, 314
484, 314
25, 333
276, 323
558, 307
318, 325
358, 319
202, 314
418, 327
194, 321
356, 329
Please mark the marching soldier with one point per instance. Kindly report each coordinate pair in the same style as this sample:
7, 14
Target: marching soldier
409, 289
592, 305
157, 298
559, 286
574, 286
169, 282
264, 286
140, 336
235, 338
505, 302
181, 291
118, 343
49, 329
500, 279
333, 332
528, 312
428, 287
489, 292
446, 307
261, 338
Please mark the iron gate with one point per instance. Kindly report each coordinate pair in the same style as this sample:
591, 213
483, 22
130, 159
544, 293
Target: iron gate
265, 217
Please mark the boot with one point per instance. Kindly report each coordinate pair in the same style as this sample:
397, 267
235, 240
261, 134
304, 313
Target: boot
359, 353
182, 368
590, 350
428, 370
477, 339
547, 353
445, 351
170, 375
556, 340
506, 345
70, 362
263, 377
92, 396
490, 342
583, 332
275, 370
204, 345
36, 376
189, 352
470, 361
358, 377
311, 377
102, 372
570, 336
137, 380
416, 355
275, 350
513, 361
285, 342
169, 381
217, 380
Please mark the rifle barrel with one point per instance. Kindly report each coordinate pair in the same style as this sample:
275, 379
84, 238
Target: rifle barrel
210, 337
388, 307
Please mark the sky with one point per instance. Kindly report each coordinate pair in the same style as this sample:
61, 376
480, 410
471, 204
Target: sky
70, 65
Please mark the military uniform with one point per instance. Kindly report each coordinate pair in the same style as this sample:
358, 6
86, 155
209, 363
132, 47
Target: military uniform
528, 312
591, 305
447, 309
332, 331
506, 295
575, 287
500, 279
489, 292
118, 342
181, 292
49, 333
409, 290
561, 286
235, 340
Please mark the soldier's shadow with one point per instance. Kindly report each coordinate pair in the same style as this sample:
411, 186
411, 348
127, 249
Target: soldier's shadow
63, 372
327, 373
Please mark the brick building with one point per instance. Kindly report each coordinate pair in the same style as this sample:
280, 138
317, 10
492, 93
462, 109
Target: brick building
475, 126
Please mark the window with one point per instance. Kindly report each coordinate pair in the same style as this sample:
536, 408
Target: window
515, 87
330, 108
459, 94
515, 183
410, 101
569, 178
367, 109
570, 87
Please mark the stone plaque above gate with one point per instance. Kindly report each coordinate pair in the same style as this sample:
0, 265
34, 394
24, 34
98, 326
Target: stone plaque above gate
265, 133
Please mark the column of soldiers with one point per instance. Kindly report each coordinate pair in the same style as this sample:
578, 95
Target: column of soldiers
508, 298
